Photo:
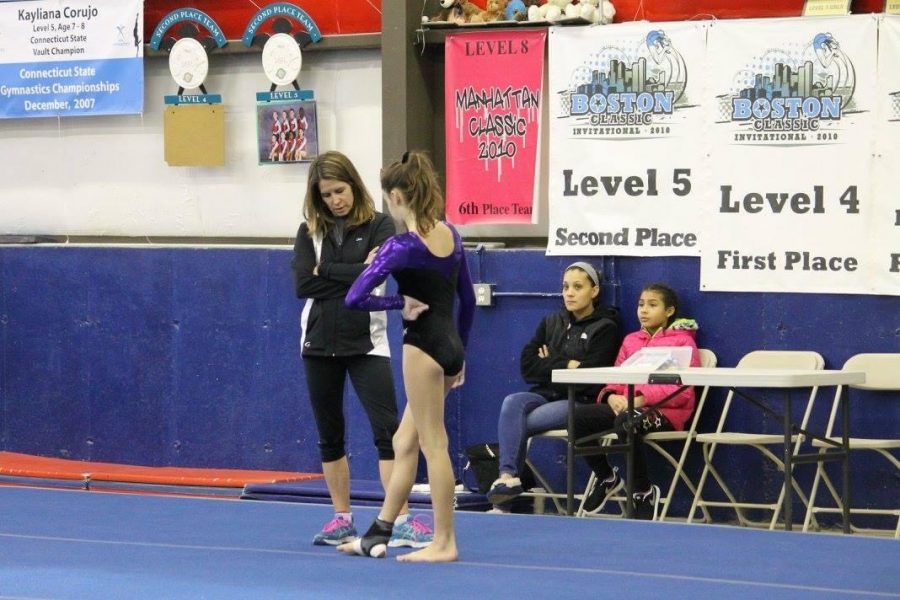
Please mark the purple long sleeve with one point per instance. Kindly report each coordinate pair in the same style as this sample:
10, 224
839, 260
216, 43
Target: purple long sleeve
391, 257
466, 293
420, 275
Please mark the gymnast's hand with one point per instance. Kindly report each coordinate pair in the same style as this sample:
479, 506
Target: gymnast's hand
371, 255
412, 308
459, 378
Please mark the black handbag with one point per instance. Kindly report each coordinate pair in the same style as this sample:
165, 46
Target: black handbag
483, 468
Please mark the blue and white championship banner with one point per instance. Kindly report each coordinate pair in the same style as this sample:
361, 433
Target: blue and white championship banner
885, 233
625, 143
791, 109
61, 58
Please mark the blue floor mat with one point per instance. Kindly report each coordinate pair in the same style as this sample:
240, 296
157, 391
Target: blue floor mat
362, 493
65, 545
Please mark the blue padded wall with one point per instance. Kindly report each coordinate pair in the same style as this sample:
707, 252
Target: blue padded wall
189, 356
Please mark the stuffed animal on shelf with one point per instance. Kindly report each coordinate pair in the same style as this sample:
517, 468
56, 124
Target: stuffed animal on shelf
593, 11
554, 10
596, 11
551, 10
516, 10
455, 11
495, 10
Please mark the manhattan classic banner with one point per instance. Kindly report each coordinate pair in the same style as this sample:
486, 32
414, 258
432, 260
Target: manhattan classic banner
493, 93
71, 57
885, 234
626, 145
791, 108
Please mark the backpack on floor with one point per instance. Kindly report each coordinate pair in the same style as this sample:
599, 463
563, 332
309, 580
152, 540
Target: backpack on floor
483, 468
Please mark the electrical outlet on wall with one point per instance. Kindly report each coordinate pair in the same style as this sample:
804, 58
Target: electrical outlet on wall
484, 295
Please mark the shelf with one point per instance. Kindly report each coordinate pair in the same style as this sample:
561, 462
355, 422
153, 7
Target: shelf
436, 32
358, 41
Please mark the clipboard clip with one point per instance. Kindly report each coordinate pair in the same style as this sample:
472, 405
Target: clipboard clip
669, 378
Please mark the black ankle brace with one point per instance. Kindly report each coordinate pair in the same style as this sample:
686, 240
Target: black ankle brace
379, 534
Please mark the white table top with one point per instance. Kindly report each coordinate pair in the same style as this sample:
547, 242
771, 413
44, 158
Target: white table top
716, 377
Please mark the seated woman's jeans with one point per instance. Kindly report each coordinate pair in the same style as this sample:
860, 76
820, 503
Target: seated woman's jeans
522, 415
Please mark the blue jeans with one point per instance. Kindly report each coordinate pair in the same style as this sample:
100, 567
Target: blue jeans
522, 415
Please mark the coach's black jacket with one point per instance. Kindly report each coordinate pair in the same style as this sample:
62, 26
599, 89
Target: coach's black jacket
330, 328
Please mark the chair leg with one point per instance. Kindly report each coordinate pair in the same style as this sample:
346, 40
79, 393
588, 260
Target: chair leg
678, 474
690, 486
742, 518
708, 451
590, 481
698, 492
779, 504
546, 485
666, 500
813, 494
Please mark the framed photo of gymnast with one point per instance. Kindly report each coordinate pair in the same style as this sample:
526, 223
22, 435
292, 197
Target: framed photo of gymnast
286, 131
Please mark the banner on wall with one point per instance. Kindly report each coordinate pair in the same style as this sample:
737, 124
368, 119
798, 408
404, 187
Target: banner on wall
625, 152
493, 92
886, 221
791, 112
72, 58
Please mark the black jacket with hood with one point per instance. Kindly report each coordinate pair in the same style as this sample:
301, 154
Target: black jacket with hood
593, 341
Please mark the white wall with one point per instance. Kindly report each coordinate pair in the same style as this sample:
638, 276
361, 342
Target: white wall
105, 175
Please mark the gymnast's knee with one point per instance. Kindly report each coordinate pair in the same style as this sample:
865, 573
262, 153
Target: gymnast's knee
385, 449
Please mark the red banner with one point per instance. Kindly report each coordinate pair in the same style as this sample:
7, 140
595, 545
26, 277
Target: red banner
493, 107
346, 16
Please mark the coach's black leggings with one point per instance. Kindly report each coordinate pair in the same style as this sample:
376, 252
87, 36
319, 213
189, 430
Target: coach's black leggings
373, 381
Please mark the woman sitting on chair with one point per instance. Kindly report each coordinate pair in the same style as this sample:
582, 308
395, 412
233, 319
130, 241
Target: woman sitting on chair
584, 334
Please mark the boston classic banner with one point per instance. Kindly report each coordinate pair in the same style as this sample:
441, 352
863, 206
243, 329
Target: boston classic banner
791, 108
625, 139
493, 105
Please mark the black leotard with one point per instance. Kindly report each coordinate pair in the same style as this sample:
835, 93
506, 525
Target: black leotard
431, 279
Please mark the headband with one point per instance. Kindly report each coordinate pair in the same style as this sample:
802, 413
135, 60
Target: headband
588, 268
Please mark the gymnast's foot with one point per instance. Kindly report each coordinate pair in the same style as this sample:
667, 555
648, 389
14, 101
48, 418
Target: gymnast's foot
433, 553
373, 543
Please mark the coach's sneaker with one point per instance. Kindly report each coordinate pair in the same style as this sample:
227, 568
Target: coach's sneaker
336, 531
646, 504
414, 532
601, 490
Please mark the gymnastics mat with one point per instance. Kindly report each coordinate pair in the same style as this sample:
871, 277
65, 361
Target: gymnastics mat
13, 464
363, 492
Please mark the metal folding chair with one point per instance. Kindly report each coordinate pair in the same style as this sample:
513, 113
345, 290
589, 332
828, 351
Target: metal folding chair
882, 375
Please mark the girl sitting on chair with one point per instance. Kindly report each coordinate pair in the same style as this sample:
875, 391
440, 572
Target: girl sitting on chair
657, 312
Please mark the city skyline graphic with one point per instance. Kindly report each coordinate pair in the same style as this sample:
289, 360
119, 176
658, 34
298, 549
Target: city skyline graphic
787, 82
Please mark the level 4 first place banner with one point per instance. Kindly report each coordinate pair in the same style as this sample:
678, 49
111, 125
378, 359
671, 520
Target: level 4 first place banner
792, 106
73, 57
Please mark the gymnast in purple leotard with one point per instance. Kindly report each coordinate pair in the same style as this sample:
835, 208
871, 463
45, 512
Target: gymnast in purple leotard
430, 279
429, 266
